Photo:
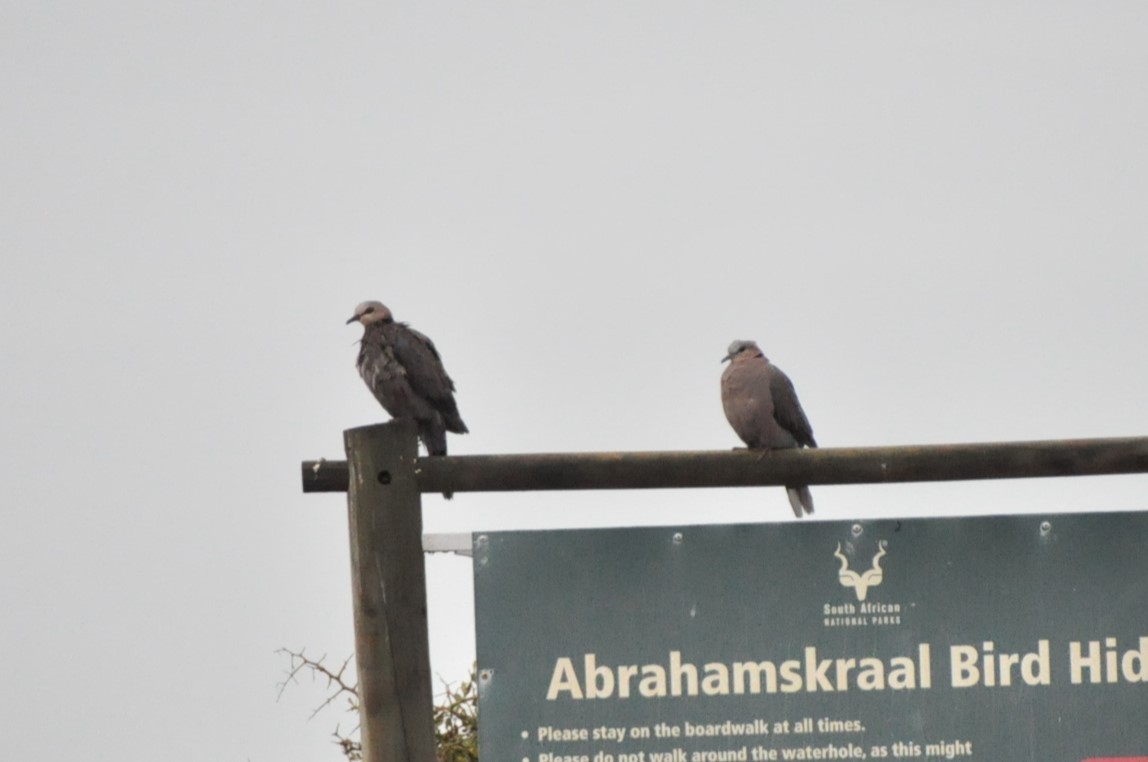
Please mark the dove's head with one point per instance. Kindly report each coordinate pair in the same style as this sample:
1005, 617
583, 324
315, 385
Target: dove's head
742, 349
371, 312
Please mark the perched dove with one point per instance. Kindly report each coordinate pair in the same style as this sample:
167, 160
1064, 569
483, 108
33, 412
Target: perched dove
402, 369
761, 406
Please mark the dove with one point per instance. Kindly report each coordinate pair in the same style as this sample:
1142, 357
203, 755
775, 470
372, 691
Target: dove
761, 405
403, 370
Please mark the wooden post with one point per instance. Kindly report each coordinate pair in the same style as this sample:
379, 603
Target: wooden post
389, 584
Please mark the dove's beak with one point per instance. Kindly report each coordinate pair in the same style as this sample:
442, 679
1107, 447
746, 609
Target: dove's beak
352, 319
727, 358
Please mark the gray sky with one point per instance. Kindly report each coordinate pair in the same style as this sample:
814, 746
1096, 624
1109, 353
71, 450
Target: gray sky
932, 216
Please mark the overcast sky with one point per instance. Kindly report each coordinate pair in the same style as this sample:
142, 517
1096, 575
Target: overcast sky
931, 216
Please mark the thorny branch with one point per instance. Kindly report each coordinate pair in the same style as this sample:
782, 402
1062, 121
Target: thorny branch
455, 718
337, 685
300, 661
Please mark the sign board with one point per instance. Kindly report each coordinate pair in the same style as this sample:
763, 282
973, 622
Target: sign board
995, 638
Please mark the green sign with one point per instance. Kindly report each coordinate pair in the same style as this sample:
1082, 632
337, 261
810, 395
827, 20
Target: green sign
996, 639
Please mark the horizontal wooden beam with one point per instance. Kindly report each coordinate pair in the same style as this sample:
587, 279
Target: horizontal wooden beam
748, 468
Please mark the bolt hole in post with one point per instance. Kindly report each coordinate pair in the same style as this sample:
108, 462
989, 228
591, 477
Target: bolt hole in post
384, 477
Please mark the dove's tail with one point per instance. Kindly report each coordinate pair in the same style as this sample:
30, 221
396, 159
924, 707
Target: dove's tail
434, 437
800, 499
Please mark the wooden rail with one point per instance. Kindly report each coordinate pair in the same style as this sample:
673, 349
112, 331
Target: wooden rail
745, 468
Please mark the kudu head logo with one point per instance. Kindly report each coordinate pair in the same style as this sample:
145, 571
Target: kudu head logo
861, 582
